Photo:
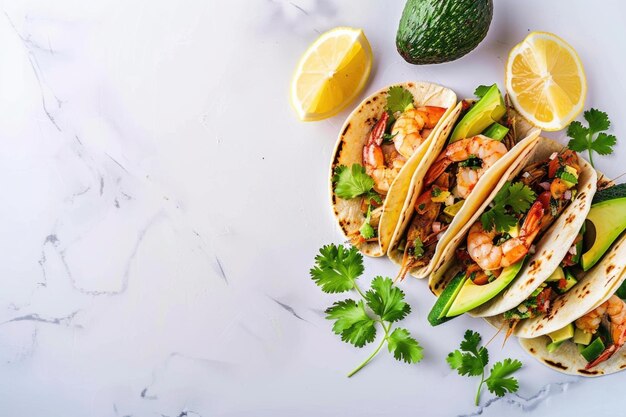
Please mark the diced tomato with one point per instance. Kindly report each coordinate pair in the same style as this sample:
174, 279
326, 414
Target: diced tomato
553, 166
544, 199
567, 261
543, 300
562, 283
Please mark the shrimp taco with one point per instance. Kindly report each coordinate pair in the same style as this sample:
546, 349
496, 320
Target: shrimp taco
581, 330
378, 150
453, 182
518, 236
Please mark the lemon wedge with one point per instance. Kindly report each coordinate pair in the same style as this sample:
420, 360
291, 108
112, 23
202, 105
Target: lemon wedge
546, 81
331, 73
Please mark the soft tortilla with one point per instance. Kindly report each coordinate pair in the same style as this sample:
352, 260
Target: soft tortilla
349, 151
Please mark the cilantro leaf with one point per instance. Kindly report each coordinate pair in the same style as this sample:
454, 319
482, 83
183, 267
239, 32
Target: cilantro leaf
336, 268
351, 182
578, 133
352, 322
470, 341
398, 99
481, 90
598, 120
498, 383
520, 197
455, 359
604, 144
388, 137
473, 362
404, 347
465, 363
387, 300
589, 138
517, 197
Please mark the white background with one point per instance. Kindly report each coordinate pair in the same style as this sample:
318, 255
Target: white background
162, 207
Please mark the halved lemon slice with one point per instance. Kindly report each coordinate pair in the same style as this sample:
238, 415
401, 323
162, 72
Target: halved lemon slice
331, 73
546, 81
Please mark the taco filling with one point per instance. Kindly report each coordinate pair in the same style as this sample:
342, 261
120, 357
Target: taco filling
497, 244
398, 132
560, 281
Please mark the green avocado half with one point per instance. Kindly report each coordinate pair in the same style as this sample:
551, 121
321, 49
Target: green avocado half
605, 222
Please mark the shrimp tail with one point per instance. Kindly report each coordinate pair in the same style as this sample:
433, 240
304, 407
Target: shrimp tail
436, 169
375, 138
608, 352
510, 330
405, 267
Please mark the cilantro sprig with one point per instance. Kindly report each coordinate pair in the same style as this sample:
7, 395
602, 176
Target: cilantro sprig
398, 99
336, 270
354, 182
513, 198
471, 360
590, 138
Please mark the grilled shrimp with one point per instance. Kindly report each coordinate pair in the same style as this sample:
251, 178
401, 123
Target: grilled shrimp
490, 256
481, 147
413, 127
615, 309
374, 158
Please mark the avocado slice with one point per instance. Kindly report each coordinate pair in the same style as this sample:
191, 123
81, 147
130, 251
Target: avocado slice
554, 346
581, 337
435, 31
437, 314
489, 109
471, 295
496, 131
570, 281
562, 334
605, 222
557, 275
454, 208
594, 350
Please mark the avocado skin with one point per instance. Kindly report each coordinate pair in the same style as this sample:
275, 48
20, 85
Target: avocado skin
437, 314
436, 31
611, 193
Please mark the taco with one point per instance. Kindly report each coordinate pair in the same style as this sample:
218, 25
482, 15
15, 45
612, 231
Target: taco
378, 150
451, 184
518, 236
592, 320
584, 329
604, 223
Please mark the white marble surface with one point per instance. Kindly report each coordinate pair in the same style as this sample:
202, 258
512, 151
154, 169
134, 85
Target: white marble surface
162, 207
